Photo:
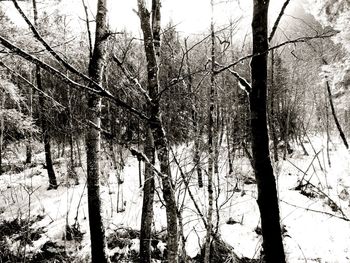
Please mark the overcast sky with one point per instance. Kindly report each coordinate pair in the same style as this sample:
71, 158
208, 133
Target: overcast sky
190, 16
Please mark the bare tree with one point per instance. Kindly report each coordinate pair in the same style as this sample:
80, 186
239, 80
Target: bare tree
93, 138
151, 38
267, 192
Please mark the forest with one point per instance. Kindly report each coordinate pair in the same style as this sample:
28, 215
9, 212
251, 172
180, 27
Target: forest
174, 131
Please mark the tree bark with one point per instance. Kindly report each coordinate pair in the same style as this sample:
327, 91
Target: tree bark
2, 127
156, 126
272, 117
267, 194
147, 204
96, 67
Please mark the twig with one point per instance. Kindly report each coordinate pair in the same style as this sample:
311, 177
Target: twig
188, 189
132, 79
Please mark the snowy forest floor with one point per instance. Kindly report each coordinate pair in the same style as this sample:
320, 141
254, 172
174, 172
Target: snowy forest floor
37, 225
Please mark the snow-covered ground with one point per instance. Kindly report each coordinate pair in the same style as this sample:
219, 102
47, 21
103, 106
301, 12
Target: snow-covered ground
315, 217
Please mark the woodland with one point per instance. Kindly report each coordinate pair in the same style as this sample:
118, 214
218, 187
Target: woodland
225, 145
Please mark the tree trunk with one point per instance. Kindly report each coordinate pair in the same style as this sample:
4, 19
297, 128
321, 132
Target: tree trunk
151, 46
46, 136
2, 127
44, 124
196, 155
29, 143
147, 204
267, 193
272, 118
211, 154
71, 166
96, 67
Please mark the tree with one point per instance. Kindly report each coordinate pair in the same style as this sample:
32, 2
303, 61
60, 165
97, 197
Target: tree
151, 36
267, 193
93, 138
14, 125
43, 121
211, 147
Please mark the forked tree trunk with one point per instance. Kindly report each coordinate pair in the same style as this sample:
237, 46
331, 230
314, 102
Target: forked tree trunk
151, 46
267, 193
149, 182
96, 67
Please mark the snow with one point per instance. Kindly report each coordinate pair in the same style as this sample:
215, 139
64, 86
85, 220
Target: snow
315, 230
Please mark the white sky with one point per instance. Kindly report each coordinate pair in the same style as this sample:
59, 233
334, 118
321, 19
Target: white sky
190, 16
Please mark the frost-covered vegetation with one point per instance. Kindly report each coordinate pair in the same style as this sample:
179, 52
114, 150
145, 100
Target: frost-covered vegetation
228, 144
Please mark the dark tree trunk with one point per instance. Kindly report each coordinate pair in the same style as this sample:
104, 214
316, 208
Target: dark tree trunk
96, 67
149, 187
147, 204
44, 124
28, 153
151, 46
267, 193
2, 102
29, 143
46, 136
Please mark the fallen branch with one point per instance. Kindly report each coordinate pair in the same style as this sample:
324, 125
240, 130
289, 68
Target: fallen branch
317, 211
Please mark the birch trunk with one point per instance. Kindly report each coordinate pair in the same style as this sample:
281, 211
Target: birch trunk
211, 154
93, 138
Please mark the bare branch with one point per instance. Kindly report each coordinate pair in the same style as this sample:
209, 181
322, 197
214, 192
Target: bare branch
188, 188
293, 41
274, 28
142, 157
2, 64
132, 79
243, 83
99, 90
88, 27
49, 49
